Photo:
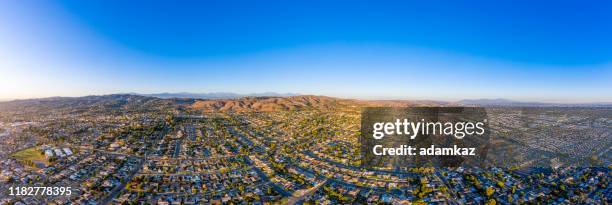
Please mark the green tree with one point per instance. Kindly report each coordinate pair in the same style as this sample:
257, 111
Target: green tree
489, 192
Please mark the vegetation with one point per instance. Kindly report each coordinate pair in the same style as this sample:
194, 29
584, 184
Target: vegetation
30, 157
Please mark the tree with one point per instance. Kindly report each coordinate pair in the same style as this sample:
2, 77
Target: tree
489, 192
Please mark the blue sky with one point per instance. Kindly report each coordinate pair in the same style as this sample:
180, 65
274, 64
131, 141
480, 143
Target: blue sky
552, 51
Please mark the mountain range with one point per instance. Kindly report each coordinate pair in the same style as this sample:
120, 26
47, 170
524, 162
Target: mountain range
236, 102
511, 103
214, 95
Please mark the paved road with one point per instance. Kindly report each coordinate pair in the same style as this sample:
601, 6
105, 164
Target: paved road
5, 133
301, 194
177, 148
118, 189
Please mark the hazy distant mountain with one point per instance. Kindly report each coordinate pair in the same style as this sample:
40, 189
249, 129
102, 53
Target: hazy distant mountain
215, 95
511, 103
489, 102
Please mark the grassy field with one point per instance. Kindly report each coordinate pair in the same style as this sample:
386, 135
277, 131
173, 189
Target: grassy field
31, 154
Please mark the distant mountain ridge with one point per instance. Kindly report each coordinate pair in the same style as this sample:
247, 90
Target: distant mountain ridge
495, 102
513, 103
226, 102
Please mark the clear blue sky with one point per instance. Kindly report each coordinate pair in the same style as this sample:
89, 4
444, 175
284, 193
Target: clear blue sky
557, 51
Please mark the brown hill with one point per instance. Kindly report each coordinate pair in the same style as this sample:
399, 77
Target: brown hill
270, 103
299, 103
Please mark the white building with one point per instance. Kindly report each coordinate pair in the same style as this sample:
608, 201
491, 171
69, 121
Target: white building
48, 153
59, 152
67, 151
